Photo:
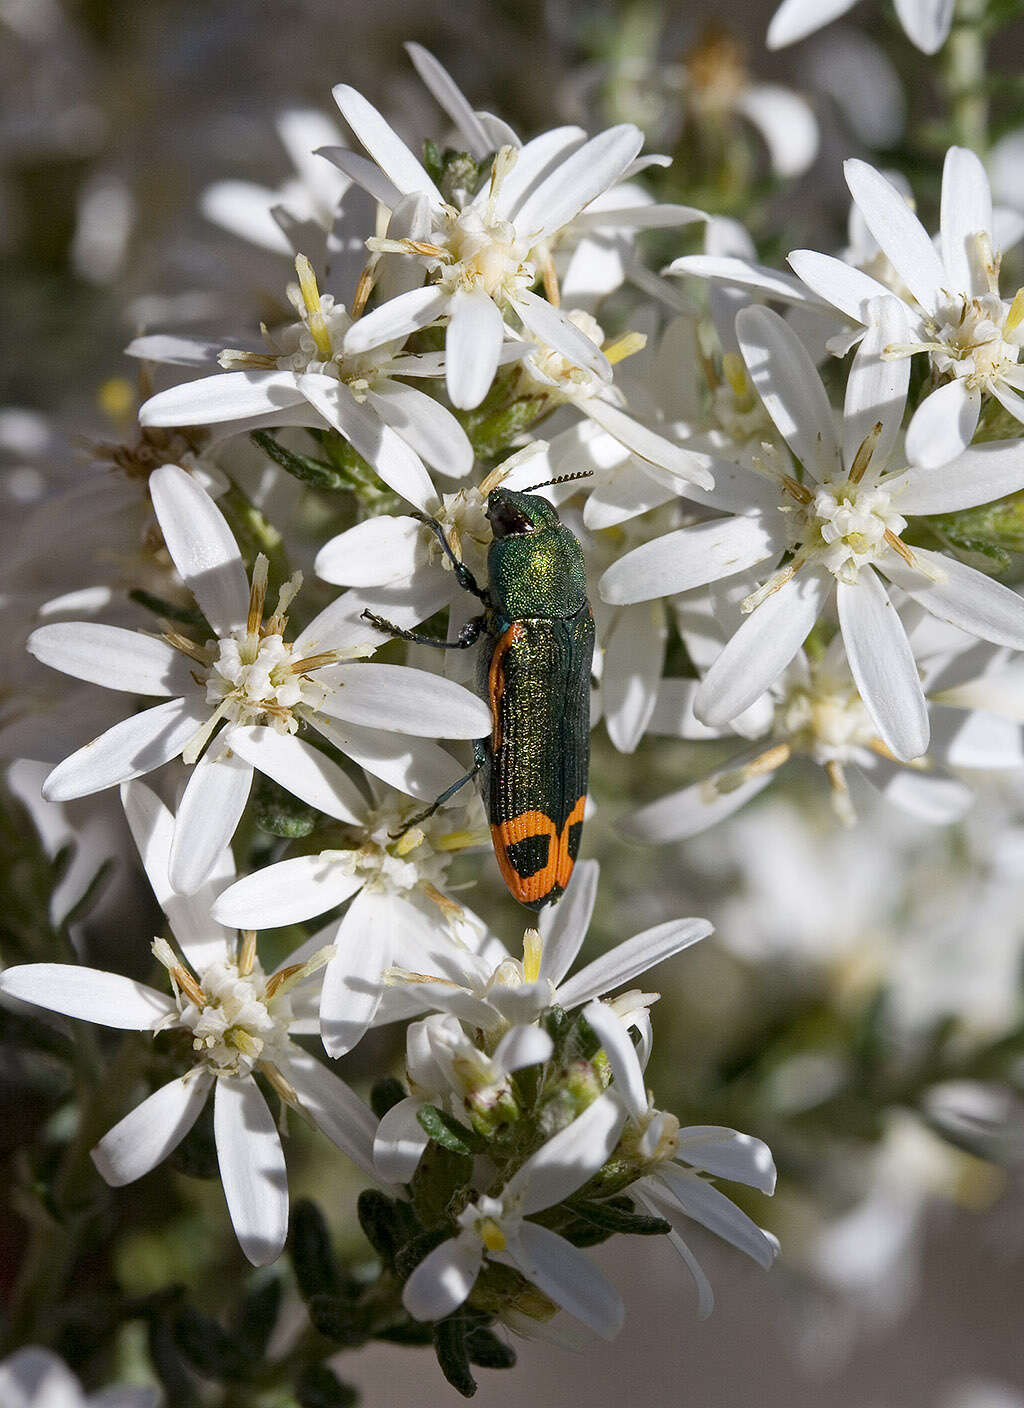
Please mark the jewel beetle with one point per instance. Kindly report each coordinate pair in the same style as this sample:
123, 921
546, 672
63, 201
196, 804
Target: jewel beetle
534, 670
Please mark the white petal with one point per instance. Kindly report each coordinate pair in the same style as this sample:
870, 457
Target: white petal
647, 444
396, 463
688, 557
656, 1199
575, 182
565, 1275
210, 809
302, 770
623, 1060
794, 19
365, 173
472, 345
372, 554
129, 749
563, 926
335, 1109
926, 22
762, 647
88, 994
353, 978
426, 425
395, 320
406, 699
931, 797
225, 396
943, 425
176, 351
200, 938
966, 212
153, 1130
627, 493
979, 475
725, 1153
451, 97
521, 1047
444, 1278
691, 810
251, 1168
883, 665
416, 766
535, 161
714, 1210
384, 145
846, 288
628, 960
112, 657
569, 1158
975, 739
551, 326
789, 385
399, 1142
243, 209
202, 546
963, 597
37, 1378
673, 715
744, 273
633, 661
898, 231
786, 122
876, 389
286, 893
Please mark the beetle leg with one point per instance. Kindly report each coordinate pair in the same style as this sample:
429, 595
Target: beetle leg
479, 760
463, 575
469, 635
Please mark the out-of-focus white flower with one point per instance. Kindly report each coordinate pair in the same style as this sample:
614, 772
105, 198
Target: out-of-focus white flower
925, 22
837, 526
240, 1021
496, 1227
674, 1158
37, 1378
251, 680
392, 879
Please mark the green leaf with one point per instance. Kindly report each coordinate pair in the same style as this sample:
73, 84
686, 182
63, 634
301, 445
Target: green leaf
486, 1350
338, 1319
280, 813
380, 1222
316, 1268
317, 473
209, 1348
186, 615
448, 1132
385, 1095
257, 1315
319, 1387
417, 1248
196, 1155
615, 1216
453, 1355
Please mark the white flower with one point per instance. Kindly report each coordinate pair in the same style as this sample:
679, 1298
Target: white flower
397, 905
925, 22
239, 1021
675, 1158
37, 1378
252, 681
496, 1227
306, 377
480, 982
840, 527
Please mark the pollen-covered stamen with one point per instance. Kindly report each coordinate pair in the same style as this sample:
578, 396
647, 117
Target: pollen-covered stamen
822, 716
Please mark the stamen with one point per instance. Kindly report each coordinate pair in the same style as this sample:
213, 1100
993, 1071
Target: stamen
412, 838
625, 346
289, 591
186, 647
779, 579
286, 978
364, 287
453, 912
232, 359
179, 975
551, 291
532, 950
735, 373
863, 456
283, 1087
247, 954
769, 761
491, 1235
461, 840
799, 491
898, 545
202, 735
841, 802
257, 593
1016, 313
311, 298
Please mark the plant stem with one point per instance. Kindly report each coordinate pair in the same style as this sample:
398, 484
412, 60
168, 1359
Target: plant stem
965, 63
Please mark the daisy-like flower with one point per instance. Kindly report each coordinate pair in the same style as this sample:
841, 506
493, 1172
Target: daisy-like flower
306, 377
674, 1158
37, 1378
954, 310
925, 22
447, 1069
496, 1227
235, 702
483, 985
392, 879
239, 1022
838, 526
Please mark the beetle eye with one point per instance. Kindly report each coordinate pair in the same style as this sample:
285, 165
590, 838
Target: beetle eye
507, 519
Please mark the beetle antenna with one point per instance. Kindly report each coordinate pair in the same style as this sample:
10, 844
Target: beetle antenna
559, 479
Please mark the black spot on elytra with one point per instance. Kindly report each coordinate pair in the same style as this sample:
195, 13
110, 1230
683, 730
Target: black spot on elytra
528, 856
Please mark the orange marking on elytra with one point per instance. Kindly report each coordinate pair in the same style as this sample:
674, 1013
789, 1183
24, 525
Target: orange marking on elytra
559, 864
496, 679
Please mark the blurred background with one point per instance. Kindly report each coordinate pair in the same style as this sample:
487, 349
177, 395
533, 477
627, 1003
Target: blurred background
860, 1006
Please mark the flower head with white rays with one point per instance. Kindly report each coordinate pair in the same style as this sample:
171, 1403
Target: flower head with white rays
926, 23
392, 879
496, 1227
673, 1162
236, 701
238, 1022
833, 525
306, 377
